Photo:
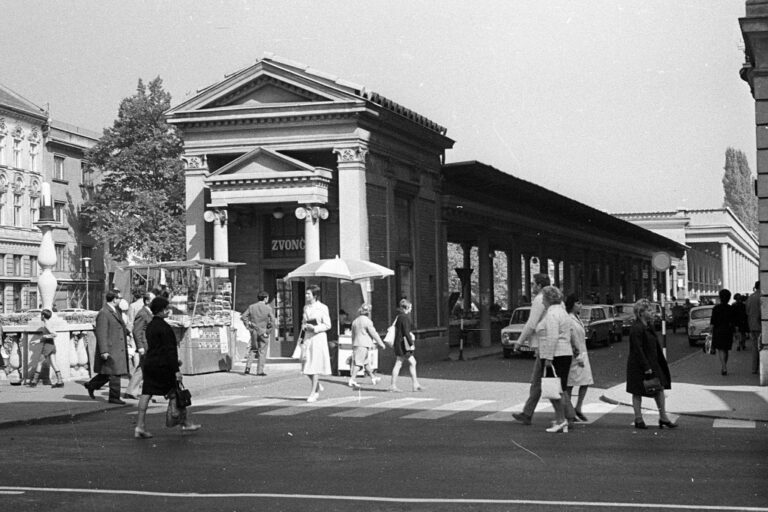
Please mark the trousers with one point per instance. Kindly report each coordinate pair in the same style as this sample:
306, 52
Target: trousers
258, 349
534, 394
114, 384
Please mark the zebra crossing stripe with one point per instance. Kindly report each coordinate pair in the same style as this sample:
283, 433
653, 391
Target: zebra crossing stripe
596, 410
448, 409
729, 423
502, 415
321, 403
204, 402
371, 409
242, 405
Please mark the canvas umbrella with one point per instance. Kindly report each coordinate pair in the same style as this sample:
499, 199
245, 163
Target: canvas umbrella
340, 268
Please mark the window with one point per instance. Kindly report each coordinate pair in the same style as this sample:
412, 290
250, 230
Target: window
17, 153
58, 168
61, 258
85, 174
33, 157
33, 268
34, 208
17, 265
2, 264
17, 209
58, 211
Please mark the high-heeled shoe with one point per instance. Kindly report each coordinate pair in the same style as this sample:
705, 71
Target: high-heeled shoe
141, 434
581, 416
191, 427
667, 423
640, 425
559, 427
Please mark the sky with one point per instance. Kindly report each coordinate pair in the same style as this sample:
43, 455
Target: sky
622, 105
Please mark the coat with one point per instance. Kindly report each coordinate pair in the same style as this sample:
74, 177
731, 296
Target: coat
111, 332
722, 326
161, 362
403, 334
645, 354
140, 322
259, 319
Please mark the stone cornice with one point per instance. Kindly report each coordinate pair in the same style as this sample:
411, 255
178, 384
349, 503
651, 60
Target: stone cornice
219, 118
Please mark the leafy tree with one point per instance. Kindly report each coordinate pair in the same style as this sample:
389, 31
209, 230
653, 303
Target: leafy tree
739, 189
138, 208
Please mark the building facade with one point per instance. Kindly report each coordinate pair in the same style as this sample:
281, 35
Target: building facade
35, 149
721, 252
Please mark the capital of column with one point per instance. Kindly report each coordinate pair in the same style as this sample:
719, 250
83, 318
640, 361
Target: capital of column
355, 154
194, 162
218, 215
311, 213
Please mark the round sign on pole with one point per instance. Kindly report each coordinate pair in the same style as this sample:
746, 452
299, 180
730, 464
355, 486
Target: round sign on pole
661, 261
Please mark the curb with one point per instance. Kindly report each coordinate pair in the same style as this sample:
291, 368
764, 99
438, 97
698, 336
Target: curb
612, 401
56, 419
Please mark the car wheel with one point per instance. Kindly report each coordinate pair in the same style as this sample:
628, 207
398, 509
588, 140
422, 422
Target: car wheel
507, 353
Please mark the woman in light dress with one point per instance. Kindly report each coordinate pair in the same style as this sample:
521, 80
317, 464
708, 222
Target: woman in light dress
315, 321
364, 336
581, 371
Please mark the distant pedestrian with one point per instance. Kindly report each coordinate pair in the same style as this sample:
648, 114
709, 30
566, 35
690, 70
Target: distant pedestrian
555, 351
645, 361
364, 336
404, 345
538, 309
140, 321
111, 349
740, 321
47, 351
259, 320
755, 327
722, 323
162, 368
581, 371
316, 320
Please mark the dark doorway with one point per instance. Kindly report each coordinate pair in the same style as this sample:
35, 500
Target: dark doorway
287, 301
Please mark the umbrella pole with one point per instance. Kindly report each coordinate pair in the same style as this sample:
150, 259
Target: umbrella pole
338, 311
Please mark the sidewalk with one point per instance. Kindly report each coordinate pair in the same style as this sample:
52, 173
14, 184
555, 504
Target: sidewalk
698, 389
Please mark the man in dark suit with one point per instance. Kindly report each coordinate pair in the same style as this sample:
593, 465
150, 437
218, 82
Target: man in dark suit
140, 321
111, 361
259, 320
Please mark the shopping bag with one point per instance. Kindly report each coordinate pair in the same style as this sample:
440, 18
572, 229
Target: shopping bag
551, 387
708, 348
389, 338
173, 415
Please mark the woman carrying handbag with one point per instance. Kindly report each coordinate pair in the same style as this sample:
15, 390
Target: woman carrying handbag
645, 364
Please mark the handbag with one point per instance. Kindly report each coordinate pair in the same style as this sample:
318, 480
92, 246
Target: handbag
299, 351
708, 348
652, 386
183, 396
551, 387
389, 338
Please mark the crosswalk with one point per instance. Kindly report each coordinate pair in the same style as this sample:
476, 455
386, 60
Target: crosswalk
410, 408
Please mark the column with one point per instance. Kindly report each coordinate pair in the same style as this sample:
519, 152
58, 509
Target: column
353, 208
311, 215
724, 265
528, 276
485, 281
466, 284
195, 172
685, 275
513, 276
220, 239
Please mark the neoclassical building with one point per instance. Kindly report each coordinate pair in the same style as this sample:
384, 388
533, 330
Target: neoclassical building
721, 252
36, 149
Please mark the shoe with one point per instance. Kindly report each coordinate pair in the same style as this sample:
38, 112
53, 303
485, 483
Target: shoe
724, 372
375, 380
418, 388
57, 385
129, 396
262, 374
247, 371
141, 434
192, 427
90, 391
640, 425
395, 389
559, 427
581, 416
312, 398
522, 418
667, 423
117, 401
353, 384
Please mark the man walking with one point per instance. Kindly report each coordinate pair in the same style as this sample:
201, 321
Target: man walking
755, 327
258, 318
111, 361
140, 321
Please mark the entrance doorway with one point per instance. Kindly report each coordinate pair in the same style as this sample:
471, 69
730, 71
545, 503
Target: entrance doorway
288, 298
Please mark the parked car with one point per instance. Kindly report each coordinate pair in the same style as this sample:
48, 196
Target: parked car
658, 315
617, 328
511, 333
597, 325
698, 324
626, 313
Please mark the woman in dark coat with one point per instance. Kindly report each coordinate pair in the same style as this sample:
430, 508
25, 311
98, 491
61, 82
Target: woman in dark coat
722, 329
646, 360
161, 365
404, 346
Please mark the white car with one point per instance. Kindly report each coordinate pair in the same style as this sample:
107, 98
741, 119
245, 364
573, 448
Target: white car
698, 324
511, 333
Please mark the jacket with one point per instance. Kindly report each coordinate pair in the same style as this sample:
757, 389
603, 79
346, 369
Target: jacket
111, 335
645, 354
140, 322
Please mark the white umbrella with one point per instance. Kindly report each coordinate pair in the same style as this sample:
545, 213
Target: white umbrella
340, 268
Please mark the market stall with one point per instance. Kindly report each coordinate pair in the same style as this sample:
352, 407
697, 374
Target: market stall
202, 295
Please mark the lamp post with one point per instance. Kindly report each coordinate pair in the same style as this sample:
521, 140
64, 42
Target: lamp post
87, 262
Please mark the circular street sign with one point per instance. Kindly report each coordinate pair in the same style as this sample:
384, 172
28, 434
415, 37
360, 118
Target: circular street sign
661, 261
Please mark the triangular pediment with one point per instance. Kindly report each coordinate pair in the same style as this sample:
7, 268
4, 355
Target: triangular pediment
262, 163
265, 90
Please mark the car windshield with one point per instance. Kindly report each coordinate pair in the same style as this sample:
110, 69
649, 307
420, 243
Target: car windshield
698, 314
585, 314
520, 316
623, 308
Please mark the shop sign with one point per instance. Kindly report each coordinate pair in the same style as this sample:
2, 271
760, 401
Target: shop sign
286, 247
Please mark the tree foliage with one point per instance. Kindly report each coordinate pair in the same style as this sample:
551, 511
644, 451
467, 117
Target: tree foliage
138, 208
738, 184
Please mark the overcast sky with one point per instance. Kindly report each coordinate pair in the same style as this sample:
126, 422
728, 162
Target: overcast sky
625, 106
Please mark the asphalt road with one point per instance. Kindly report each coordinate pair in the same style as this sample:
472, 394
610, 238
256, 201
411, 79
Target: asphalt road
451, 447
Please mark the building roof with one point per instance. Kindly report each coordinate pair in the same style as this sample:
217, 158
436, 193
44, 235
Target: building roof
15, 101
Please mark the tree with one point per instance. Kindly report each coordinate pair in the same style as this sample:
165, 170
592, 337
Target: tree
138, 208
739, 188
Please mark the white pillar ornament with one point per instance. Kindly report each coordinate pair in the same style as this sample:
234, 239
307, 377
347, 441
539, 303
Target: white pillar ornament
46, 258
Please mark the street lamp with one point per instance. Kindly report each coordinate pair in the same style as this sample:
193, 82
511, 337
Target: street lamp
87, 261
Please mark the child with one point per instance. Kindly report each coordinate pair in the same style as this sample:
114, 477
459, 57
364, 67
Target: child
48, 351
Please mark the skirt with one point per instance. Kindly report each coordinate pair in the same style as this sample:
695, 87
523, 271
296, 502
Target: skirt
317, 359
580, 375
360, 356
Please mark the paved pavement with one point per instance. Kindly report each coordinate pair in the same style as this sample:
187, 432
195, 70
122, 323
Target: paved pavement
697, 389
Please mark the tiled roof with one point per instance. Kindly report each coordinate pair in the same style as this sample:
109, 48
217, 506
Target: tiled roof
10, 98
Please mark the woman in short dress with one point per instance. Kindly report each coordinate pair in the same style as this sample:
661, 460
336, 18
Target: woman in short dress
364, 336
404, 346
581, 371
722, 329
316, 320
